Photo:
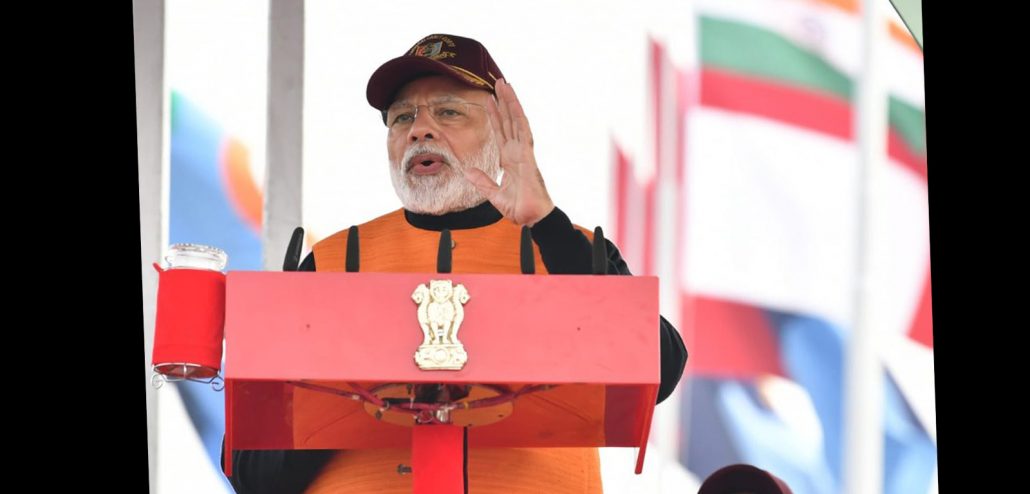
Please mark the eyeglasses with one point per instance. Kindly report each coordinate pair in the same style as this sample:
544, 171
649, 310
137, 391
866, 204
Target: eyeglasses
448, 113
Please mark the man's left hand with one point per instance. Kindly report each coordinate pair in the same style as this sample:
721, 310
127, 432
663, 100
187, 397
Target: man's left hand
521, 197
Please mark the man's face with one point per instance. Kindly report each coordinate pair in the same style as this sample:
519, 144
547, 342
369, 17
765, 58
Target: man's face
438, 128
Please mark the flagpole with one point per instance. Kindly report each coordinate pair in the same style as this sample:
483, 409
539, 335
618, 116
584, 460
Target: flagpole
666, 239
283, 196
864, 377
152, 128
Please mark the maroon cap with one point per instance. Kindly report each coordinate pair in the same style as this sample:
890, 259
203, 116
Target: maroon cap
463, 59
739, 478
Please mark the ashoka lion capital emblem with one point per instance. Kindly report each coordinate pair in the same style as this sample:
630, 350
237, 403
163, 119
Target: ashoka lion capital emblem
440, 314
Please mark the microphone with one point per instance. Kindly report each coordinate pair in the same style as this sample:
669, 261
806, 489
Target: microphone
352, 262
526, 252
292, 260
600, 252
443, 253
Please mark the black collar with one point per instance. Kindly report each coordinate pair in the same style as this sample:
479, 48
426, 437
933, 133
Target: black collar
479, 216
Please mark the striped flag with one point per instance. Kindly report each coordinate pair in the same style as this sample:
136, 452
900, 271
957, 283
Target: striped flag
769, 213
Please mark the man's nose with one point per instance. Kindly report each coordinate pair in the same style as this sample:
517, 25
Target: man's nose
423, 127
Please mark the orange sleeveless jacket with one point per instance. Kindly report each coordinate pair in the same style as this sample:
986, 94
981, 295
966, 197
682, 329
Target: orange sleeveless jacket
390, 244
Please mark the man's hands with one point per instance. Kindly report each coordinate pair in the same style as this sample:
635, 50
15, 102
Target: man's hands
521, 197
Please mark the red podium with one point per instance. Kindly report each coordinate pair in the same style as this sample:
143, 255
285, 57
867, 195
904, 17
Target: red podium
312, 360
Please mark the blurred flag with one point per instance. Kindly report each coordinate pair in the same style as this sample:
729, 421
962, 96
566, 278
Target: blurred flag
768, 168
213, 200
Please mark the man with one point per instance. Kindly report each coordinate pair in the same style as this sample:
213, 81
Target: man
455, 127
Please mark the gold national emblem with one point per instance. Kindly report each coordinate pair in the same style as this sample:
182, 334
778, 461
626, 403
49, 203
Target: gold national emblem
440, 313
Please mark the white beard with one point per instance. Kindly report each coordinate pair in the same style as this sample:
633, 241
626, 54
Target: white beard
448, 190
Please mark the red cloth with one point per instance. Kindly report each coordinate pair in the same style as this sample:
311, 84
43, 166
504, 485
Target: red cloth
190, 318
437, 455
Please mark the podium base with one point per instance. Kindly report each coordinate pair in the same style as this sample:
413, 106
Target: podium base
438, 459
